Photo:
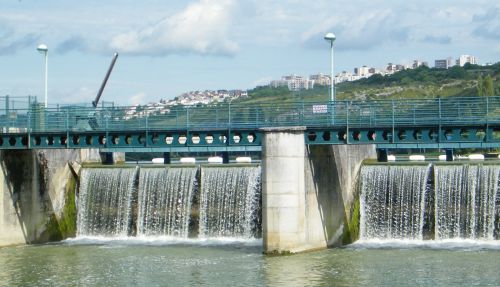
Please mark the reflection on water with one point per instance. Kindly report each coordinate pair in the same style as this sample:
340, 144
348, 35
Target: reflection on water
239, 263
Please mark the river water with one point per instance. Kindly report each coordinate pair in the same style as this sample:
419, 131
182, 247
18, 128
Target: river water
160, 262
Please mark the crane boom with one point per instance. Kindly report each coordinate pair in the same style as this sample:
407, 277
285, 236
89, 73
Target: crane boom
99, 94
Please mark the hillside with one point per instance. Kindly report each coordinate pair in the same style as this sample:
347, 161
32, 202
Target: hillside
422, 82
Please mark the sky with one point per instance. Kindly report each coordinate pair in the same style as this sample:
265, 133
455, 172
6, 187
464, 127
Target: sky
170, 47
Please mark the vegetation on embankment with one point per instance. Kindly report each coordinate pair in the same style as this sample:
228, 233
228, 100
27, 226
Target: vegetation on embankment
351, 223
67, 223
65, 227
422, 82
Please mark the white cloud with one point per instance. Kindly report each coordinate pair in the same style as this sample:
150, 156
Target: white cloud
362, 31
389, 23
13, 41
488, 24
201, 28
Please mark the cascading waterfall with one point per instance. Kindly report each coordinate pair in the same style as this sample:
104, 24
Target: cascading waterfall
164, 201
392, 201
466, 201
229, 201
105, 201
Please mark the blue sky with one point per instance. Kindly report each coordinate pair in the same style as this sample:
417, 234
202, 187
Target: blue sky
170, 47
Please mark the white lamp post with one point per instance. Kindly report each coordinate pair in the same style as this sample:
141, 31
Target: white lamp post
331, 37
42, 48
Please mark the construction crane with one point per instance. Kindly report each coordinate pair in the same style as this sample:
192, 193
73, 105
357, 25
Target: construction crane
89, 122
110, 69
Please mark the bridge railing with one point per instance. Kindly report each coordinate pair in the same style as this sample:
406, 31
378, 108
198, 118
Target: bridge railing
377, 113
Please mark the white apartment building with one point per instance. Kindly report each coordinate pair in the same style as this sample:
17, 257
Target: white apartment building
320, 79
346, 77
464, 59
362, 71
392, 68
294, 83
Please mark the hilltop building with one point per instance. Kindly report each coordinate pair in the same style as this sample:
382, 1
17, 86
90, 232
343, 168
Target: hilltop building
293, 82
443, 63
464, 59
362, 71
346, 77
418, 63
320, 79
393, 68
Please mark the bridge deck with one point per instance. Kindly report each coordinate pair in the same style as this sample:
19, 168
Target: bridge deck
447, 122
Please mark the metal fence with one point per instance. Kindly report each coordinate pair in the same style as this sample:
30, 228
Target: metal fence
380, 113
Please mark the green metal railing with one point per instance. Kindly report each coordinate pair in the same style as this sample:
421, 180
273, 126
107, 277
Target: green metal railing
465, 111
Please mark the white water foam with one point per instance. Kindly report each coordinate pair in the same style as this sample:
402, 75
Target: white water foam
446, 244
161, 241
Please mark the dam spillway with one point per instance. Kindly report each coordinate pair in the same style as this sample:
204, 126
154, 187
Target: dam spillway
392, 201
164, 201
467, 201
105, 201
168, 201
418, 202
228, 200
403, 202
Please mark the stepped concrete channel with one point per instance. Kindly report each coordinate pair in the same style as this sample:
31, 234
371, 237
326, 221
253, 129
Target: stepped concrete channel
307, 191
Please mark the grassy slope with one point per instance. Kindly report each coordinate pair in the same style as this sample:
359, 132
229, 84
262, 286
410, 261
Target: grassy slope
417, 83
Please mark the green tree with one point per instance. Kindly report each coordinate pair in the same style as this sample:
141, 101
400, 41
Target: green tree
480, 85
457, 72
488, 86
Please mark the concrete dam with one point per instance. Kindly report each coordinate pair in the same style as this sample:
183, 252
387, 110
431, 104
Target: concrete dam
300, 197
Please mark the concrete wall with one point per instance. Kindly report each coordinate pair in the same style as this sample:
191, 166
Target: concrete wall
307, 190
32, 192
330, 177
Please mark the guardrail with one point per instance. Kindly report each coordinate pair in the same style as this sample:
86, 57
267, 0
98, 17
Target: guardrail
462, 111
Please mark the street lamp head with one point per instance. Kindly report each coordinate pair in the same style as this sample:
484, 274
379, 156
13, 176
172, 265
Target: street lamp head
42, 48
330, 37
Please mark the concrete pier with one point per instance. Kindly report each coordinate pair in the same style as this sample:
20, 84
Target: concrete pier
306, 190
33, 193
283, 190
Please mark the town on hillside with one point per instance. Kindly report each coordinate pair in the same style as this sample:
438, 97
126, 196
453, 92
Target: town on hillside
296, 83
292, 82
186, 99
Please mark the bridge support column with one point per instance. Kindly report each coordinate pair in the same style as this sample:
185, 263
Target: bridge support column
112, 157
108, 158
225, 157
382, 155
283, 190
449, 154
166, 158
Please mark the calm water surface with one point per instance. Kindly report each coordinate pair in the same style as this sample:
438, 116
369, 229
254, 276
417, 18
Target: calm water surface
241, 263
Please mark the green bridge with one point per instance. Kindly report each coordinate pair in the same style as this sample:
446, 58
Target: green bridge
466, 122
